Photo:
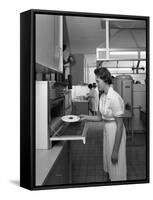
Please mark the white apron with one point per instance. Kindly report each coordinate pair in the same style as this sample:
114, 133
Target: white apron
111, 106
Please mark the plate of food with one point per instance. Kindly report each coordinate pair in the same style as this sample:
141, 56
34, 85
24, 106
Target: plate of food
70, 118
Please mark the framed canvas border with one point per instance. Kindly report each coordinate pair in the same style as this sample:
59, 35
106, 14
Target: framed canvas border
27, 98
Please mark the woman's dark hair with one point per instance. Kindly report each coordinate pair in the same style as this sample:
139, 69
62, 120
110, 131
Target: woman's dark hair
104, 74
90, 86
94, 85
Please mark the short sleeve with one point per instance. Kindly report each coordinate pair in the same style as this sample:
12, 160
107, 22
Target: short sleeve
117, 105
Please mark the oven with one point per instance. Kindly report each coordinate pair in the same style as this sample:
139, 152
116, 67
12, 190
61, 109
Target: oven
52, 102
60, 103
56, 109
56, 106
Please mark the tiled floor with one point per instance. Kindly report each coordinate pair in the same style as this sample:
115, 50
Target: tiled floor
87, 163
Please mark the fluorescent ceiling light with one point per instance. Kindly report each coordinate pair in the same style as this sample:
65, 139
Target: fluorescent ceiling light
124, 53
119, 69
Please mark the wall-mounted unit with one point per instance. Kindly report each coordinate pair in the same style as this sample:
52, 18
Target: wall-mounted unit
123, 84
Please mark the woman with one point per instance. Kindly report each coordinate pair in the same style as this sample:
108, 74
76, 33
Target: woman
96, 98
111, 110
93, 99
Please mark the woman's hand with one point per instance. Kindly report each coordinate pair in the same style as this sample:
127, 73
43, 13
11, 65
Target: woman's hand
83, 117
114, 157
95, 118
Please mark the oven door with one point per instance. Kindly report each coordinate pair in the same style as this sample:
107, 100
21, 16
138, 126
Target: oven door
56, 109
71, 131
60, 130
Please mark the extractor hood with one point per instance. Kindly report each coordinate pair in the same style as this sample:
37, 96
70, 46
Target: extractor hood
125, 40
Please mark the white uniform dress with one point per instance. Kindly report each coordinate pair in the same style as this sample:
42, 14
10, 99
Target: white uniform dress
93, 100
111, 106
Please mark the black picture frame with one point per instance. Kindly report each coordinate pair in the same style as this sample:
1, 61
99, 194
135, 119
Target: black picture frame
27, 98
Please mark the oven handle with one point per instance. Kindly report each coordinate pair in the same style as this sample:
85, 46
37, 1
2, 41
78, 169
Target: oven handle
55, 137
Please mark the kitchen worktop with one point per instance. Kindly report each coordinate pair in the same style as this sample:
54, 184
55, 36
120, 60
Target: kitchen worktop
79, 100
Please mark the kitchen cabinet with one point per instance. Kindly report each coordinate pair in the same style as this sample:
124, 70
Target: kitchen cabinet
58, 41
77, 70
60, 173
49, 41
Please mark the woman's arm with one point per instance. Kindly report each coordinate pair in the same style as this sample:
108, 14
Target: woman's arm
118, 136
91, 118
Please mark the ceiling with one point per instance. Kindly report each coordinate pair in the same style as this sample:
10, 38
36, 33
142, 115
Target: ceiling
87, 33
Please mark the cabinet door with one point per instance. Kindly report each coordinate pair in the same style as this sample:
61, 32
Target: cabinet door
49, 41
77, 70
59, 174
58, 42
45, 40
